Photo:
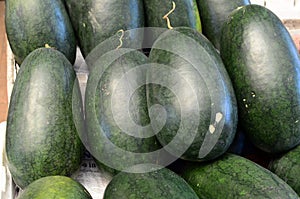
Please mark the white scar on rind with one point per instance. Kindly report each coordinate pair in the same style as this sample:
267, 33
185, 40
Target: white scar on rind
219, 117
212, 129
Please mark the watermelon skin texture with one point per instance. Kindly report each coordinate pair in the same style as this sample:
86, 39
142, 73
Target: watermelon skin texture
52, 187
95, 21
41, 136
214, 13
186, 14
160, 184
37, 23
188, 56
263, 64
287, 167
232, 176
103, 96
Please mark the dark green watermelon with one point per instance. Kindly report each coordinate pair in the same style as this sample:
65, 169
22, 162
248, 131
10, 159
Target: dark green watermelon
213, 15
34, 24
196, 114
263, 64
232, 176
95, 21
41, 137
116, 111
160, 184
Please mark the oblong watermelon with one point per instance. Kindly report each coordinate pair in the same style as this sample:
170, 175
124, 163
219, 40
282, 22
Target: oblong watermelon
42, 138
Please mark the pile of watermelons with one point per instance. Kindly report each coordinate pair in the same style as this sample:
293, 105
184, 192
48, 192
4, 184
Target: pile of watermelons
184, 99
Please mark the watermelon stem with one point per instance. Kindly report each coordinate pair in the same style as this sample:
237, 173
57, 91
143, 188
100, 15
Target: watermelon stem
121, 38
167, 15
48, 46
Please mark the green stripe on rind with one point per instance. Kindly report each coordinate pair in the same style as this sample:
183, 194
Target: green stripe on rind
197, 14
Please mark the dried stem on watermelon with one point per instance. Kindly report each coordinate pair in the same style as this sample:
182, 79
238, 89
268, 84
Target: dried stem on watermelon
166, 17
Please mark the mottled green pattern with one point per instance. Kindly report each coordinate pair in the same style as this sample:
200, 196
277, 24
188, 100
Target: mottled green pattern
55, 187
185, 14
41, 137
210, 82
100, 118
161, 184
263, 63
287, 167
95, 21
34, 23
213, 15
235, 177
